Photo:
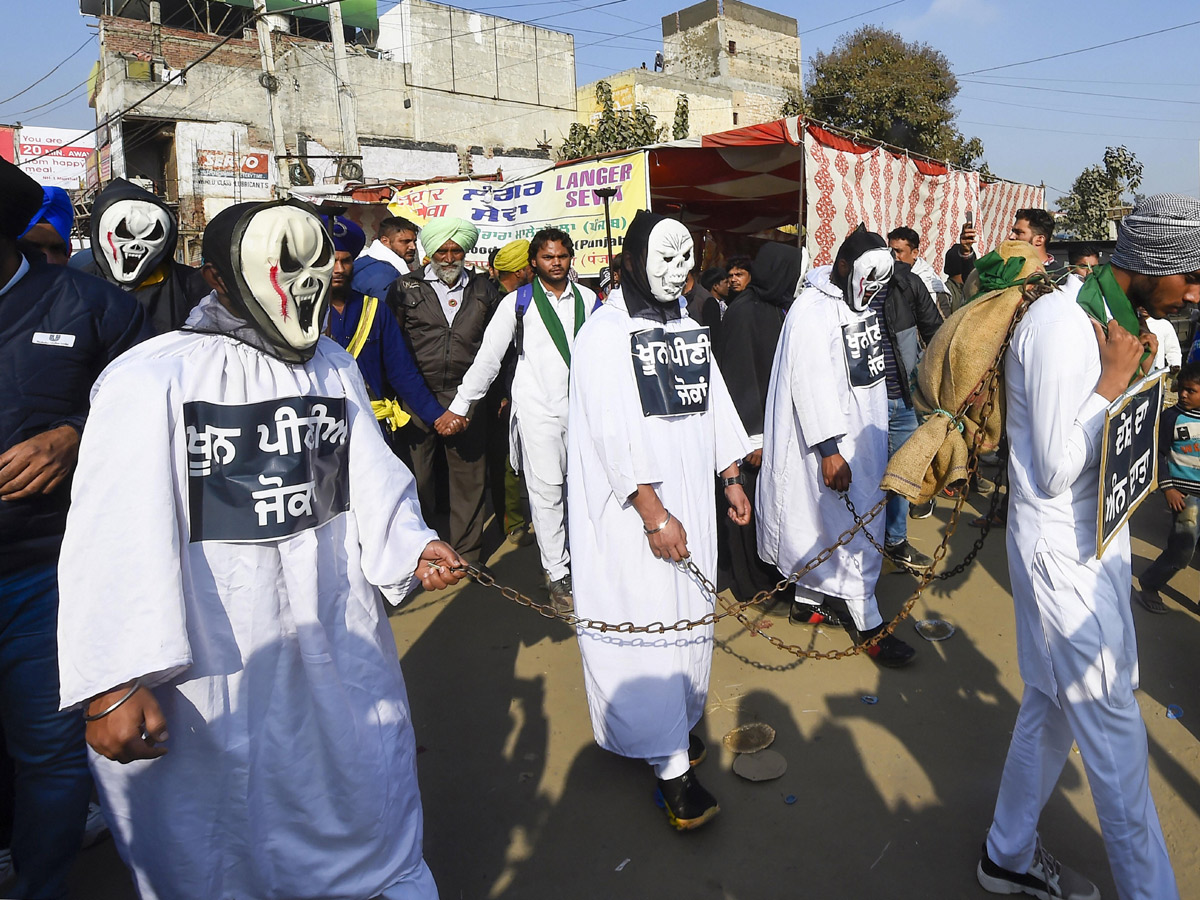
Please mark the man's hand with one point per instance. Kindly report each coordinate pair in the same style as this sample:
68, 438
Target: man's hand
754, 458
1149, 341
967, 238
440, 566
1120, 356
671, 542
739, 504
836, 472
1175, 499
131, 731
449, 424
38, 465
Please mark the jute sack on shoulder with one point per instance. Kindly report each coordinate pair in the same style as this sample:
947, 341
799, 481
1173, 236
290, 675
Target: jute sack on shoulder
949, 393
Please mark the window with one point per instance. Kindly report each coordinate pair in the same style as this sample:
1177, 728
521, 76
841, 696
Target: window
735, 118
733, 48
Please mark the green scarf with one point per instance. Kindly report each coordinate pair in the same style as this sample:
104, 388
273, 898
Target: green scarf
553, 323
997, 273
1101, 289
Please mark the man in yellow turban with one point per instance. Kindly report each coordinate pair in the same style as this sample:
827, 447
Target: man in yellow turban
443, 309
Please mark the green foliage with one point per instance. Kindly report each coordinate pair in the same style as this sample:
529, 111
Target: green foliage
1099, 188
794, 105
680, 129
875, 83
617, 129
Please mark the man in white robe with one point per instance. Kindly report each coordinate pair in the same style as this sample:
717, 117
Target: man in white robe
826, 433
651, 423
542, 318
1075, 638
234, 508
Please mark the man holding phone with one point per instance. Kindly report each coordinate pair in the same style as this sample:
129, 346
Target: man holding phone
960, 261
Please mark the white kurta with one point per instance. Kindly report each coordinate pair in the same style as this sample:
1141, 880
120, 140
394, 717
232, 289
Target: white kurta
645, 692
291, 765
1075, 639
810, 400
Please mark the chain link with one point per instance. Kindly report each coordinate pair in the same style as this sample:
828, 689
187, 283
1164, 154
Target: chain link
988, 388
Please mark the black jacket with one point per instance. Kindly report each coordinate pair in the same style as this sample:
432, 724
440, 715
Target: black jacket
58, 329
912, 319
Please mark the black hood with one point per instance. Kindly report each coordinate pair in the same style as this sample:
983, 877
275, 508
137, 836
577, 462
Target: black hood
855, 245
21, 201
776, 274
635, 286
120, 189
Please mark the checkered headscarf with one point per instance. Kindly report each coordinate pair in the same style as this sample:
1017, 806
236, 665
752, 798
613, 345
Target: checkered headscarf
1160, 237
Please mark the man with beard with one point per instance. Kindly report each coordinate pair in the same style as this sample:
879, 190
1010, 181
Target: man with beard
749, 335
540, 321
1073, 354
512, 267
739, 275
392, 254
651, 423
443, 311
238, 605
59, 328
371, 335
826, 433
133, 245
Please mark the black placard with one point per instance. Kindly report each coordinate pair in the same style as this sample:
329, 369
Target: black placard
672, 370
1129, 456
261, 471
863, 343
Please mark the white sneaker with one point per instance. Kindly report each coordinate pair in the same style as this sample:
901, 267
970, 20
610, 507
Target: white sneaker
95, 828
1047, 878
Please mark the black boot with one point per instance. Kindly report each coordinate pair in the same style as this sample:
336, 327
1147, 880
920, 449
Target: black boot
687, 803
696, 750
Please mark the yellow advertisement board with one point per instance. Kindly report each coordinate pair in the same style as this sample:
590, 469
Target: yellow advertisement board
563, 197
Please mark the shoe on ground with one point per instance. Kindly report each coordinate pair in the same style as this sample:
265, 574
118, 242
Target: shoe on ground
560, 595
920, 510
1047, 879
1151, 600
908, 555
810, 614
521, 536
95, 829
889, 651
687, 803
984, 485
994, 521
697, 752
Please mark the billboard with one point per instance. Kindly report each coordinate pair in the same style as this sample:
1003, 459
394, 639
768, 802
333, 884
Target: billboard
55, 157
563, 197
217, 159
355, 13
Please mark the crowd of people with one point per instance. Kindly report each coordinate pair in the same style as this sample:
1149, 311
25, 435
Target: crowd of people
210, 477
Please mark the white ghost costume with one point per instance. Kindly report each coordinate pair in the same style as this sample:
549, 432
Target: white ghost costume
811, 400
645, 692
291, 766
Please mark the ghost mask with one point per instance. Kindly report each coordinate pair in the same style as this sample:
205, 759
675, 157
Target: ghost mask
133, 239
668, 260
869, 275
281, 258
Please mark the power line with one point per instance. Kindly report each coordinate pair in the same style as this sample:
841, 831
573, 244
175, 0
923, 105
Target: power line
1125, 40
26, 90
1080, 112
848, 18
1031, 87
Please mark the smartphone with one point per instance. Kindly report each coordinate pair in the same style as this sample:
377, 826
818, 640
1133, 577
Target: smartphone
970, 217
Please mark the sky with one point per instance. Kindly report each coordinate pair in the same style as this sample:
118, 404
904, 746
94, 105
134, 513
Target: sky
1040, 122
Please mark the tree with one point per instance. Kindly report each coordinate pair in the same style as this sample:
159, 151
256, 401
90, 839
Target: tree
616, 129
681, 127
793, 106
875, 83
1099, 188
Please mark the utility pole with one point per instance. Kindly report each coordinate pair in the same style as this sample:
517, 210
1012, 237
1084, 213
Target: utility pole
271, 84
345, 97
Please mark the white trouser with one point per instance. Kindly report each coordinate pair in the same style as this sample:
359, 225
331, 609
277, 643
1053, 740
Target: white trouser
1112, 744
668, 767
864, 612
548, 509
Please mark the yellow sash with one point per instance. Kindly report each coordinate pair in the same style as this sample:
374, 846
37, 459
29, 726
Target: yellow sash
388, 411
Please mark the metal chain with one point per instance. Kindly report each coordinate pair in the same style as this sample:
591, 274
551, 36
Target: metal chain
988, 388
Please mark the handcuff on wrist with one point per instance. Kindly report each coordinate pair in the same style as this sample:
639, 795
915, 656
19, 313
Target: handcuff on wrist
739, 478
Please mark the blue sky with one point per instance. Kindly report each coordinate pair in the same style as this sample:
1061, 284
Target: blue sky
1041, 122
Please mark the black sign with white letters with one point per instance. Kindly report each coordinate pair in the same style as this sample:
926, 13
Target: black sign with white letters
672, 370
863, 341
1128, 456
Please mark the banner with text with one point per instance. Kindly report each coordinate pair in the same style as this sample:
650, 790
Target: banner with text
55, 157
1128, 456
564, 197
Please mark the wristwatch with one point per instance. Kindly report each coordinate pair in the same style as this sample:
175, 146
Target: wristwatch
739, 478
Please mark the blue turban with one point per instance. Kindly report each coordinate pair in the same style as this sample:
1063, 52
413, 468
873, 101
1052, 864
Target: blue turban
347, 236
57, 211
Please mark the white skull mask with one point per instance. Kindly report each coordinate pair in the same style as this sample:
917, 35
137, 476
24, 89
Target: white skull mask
668, 259
869, 275
285, 258
133, 238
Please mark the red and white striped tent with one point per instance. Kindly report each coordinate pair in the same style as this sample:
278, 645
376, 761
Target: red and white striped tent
763, 176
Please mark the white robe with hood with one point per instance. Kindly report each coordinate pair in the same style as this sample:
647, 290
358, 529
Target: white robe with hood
645, 692
291, 765
810, 400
